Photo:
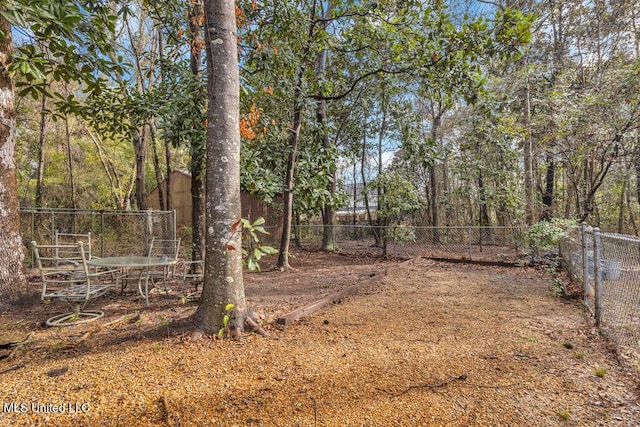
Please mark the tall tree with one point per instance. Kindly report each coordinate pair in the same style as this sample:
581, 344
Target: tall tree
223, 260
12, 277
63, 25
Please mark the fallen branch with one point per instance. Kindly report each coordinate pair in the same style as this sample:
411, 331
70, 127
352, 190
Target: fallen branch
15, 345
119, 319
441, 384
13, 368
164, 409
100, 327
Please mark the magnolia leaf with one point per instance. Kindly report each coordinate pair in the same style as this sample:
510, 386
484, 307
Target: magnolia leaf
261, 230
228, 306
268, 250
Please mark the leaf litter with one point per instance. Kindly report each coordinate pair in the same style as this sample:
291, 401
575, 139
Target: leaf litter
430, 343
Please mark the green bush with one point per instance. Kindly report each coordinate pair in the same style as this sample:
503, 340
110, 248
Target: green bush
545, 235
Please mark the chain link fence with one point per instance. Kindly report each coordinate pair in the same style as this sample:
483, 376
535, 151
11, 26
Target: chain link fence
607, 266
497, 244
113, 232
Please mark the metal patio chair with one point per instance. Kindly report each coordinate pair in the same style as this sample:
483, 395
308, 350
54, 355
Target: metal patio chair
66, 276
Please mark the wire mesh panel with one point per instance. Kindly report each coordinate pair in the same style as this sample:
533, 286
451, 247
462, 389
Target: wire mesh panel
572, 259
588, 271
620, 291
500, 244
608, 266
113, 232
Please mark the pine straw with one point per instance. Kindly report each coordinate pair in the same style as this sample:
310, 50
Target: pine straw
430, 344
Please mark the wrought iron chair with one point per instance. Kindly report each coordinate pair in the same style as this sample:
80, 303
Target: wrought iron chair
66, 276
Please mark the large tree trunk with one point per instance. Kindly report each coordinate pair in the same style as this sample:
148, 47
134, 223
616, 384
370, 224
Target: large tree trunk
328, 211
484, 220
72, 180
294, 139
156, 166
223, 283
382, 219
547, 195
436, 114
623, 190
365, 191
636, 163
12, 279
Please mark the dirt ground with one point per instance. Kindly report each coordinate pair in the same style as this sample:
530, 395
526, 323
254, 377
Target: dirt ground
429, 343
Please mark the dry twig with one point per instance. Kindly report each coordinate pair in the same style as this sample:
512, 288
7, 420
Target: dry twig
428, 386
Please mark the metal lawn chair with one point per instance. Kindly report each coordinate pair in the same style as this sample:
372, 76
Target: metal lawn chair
66, 276
72, 239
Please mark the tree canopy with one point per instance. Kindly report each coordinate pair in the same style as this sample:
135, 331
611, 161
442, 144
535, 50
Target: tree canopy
496, 113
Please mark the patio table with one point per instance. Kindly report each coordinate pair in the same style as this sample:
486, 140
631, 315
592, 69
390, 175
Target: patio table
134, 262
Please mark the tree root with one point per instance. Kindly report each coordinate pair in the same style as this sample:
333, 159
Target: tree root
252, 325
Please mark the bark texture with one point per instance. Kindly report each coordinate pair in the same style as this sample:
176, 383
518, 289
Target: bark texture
223, 260
12, 279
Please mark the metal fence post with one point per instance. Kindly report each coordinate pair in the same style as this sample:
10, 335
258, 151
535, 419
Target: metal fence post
394, 241
597, 274
585, 270
149, 228
101, 233
174, 228
53, 226
469, 236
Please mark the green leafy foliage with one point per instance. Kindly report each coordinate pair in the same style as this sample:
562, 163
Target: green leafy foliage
400, 197
61, 41
545, 235
225, 321
252, 249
